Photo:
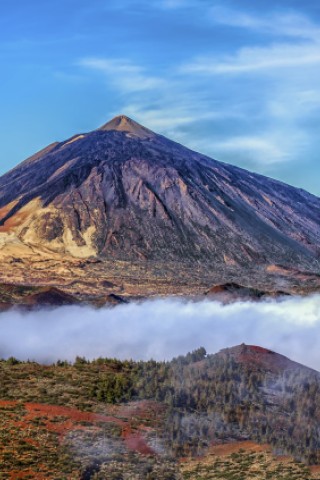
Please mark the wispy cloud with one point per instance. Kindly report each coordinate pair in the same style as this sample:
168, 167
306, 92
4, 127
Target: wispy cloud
123, 74
167, 107
286, 24
276, 73
264, 149
158, 102
301, 51
172, 4
158, 5
267, 60
248, 103
163, 119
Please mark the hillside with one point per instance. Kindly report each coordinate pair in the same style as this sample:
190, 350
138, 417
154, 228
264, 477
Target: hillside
122, 210
102, 419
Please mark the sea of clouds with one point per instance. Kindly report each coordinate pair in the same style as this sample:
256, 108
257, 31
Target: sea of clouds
163, 328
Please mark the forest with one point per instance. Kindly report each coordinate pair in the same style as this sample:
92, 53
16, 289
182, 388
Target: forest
241, 393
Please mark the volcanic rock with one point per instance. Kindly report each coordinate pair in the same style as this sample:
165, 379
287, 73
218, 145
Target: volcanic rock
153, 217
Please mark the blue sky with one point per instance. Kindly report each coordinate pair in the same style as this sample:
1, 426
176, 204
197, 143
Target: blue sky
237, 80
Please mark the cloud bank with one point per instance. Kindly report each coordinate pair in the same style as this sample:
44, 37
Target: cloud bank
162, 329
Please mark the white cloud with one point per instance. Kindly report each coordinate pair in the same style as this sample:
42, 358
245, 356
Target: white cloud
159, 4
295, 103
263, 150
301, 51
162, 329
288, 24
267, 149
273, 93
172, 4
167, 117
123, 74
275, 84
160, 103
266, 60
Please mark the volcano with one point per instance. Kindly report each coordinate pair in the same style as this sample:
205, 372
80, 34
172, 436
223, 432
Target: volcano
124, 196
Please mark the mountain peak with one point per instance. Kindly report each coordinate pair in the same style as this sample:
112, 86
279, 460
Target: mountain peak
126, 194
254, 356
122, 123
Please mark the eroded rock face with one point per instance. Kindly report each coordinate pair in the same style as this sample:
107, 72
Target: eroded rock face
124, 193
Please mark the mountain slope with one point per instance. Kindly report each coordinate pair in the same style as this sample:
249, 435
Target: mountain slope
125, 193
108, 411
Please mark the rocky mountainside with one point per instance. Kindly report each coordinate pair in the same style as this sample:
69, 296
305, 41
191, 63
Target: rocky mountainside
131, 200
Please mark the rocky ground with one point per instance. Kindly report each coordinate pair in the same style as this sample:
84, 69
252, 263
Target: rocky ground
42, 277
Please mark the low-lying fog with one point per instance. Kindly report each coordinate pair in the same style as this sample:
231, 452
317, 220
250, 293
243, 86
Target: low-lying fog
162, 329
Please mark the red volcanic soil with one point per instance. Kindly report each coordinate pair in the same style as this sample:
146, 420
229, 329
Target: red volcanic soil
229, 448
257, 349
135, 442
63, 420
70, 419
226, 449
315, 469
27, 474
7, 403
254, 356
